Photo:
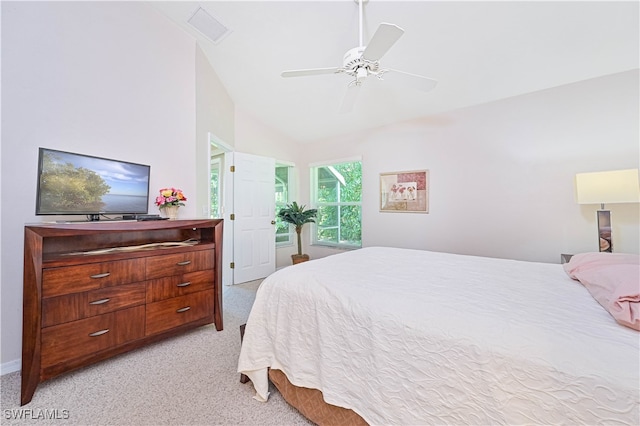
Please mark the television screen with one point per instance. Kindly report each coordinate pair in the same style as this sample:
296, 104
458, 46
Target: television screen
74, 184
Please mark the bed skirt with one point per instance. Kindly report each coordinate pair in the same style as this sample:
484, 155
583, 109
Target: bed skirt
310, 403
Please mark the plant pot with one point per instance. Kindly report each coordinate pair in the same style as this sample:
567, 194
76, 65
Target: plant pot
299, 258
171, 212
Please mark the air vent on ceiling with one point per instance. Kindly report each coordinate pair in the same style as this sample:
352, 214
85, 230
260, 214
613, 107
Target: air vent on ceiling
209, 26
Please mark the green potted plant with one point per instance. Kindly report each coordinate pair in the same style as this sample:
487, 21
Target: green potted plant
297, 216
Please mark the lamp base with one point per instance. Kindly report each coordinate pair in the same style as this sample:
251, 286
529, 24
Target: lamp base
604, 231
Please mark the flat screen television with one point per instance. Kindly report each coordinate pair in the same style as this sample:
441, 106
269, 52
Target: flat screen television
78, 184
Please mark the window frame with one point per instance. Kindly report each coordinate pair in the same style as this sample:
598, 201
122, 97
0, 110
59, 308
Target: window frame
291, 237
215, 166
313, 180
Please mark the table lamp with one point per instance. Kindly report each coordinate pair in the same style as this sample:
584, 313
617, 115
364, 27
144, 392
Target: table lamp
617, 186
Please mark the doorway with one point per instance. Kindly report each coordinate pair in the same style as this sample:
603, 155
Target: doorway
242, 192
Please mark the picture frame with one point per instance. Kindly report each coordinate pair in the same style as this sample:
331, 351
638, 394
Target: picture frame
405, 192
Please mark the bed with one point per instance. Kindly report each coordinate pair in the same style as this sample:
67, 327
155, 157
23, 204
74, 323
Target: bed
400, 336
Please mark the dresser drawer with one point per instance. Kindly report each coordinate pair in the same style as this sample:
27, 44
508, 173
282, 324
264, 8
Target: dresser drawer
174, 312
72, 307
90, 276
179, 285
176, 264
79, 338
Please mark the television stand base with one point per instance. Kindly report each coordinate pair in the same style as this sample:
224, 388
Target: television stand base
142, 217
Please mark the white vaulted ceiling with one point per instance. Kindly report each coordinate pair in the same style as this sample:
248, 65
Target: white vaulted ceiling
478, 51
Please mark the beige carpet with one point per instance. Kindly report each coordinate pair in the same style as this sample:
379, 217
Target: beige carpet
186, 380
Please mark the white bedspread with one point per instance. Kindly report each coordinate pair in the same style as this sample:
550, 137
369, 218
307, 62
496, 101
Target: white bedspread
414, 337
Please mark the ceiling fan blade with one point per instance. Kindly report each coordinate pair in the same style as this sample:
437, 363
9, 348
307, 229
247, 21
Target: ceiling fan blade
349, 99
412, 81
385, 36
314, 71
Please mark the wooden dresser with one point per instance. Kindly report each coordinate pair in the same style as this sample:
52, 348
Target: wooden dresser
97, 289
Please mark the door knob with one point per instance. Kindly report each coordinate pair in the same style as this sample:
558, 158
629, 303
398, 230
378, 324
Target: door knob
273, 222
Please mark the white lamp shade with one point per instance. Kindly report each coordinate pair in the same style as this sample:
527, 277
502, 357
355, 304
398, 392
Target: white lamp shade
618, 186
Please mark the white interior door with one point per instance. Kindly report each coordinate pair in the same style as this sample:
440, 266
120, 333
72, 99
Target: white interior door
254, 245
227, 209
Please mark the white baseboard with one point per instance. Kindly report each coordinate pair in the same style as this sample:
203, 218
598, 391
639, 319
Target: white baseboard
10, 367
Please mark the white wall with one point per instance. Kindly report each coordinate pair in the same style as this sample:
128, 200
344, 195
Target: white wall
501, 174
112, 79
214, 114
254, 137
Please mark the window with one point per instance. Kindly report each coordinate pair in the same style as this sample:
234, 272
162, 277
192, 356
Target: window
214, 187
337, 194
284, 233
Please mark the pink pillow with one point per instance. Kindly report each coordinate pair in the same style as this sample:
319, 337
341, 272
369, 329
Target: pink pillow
613, 279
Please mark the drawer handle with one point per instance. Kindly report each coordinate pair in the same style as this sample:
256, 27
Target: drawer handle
186, 262
106, 274
99, 333
188, 283
185, 309
99, 302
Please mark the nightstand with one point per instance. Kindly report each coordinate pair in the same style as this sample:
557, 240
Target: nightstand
565, 258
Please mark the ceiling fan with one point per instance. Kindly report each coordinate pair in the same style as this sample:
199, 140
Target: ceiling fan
363, 61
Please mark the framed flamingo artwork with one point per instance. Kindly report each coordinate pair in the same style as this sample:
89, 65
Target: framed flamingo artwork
405, 191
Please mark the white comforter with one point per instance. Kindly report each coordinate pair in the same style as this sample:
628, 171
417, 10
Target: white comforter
414, 337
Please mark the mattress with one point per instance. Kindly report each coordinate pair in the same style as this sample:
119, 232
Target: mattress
405, 336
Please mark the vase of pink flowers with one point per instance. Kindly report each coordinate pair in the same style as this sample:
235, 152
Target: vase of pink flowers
169, 201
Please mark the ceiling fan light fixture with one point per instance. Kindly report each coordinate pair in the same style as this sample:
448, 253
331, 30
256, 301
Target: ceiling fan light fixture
363, 61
